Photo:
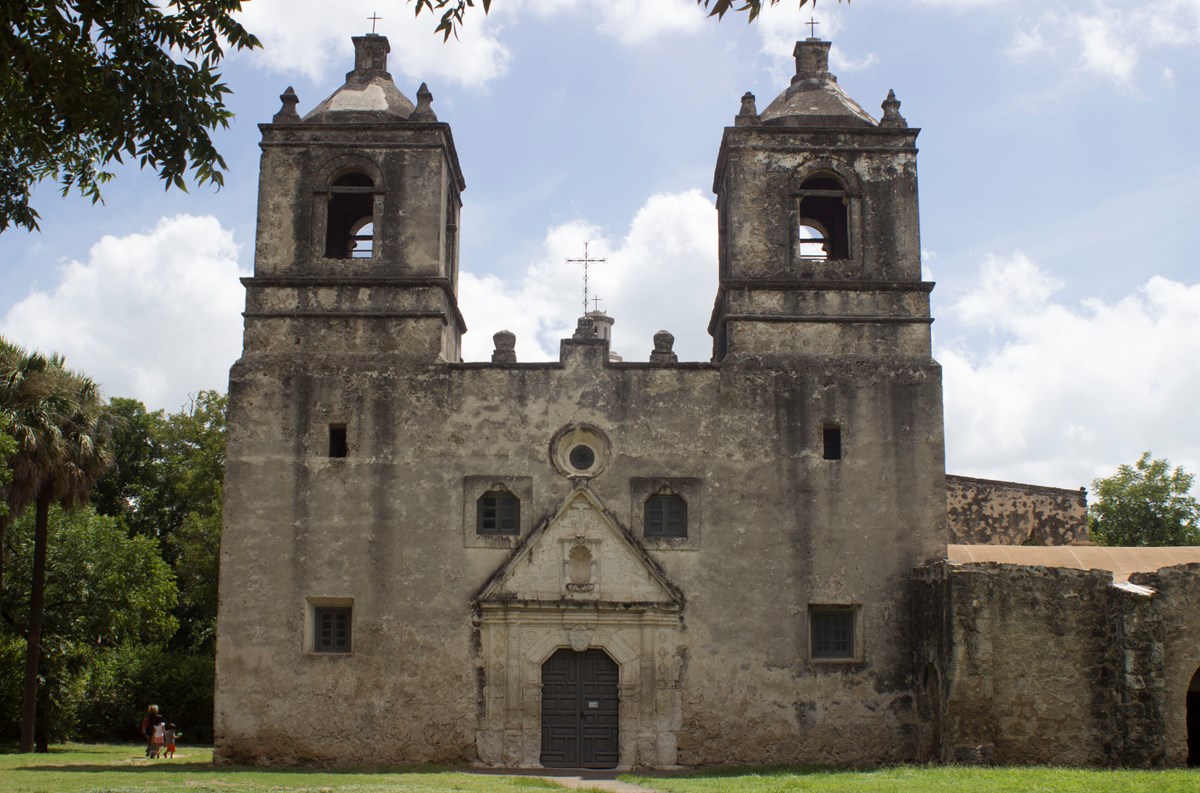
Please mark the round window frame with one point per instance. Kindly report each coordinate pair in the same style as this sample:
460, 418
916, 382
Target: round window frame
568, 440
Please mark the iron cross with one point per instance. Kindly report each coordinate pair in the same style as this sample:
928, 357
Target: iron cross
586, 260
812, 27
374, 18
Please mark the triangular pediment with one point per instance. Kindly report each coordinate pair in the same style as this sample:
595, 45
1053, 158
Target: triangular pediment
581, 554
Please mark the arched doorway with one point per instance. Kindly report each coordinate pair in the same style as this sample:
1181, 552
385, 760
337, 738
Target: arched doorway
1193, 721
580, 710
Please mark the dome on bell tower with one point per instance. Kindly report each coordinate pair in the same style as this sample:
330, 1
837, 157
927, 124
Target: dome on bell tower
814, 99
369, 93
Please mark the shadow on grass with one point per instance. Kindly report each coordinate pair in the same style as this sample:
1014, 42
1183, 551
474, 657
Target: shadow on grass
725, 772
136, 765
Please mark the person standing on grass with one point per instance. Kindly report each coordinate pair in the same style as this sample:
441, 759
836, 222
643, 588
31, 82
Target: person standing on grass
169, 736
149, 723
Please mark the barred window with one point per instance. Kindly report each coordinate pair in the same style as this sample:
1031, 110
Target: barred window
832, 633
498, 512
331, 631
666, 516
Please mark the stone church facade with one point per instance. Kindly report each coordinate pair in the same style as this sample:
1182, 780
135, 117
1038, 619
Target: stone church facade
598, 563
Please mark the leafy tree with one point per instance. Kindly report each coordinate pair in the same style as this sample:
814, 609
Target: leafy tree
1147, 503
167, 484
105, 592
87, 83
58, 420
453, 11
8, 446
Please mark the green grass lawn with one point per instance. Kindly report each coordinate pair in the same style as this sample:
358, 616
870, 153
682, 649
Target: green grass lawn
925, 779
125, 769
106, 768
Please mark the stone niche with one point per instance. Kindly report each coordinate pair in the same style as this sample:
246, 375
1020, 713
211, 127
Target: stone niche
580, 580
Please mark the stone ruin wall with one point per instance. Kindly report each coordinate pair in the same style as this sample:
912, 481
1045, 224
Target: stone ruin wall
991, 512
1021, 664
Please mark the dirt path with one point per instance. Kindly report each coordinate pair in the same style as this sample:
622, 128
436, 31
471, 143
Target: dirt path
576, 779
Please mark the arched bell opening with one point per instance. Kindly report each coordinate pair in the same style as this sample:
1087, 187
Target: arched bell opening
350, 217
823, 222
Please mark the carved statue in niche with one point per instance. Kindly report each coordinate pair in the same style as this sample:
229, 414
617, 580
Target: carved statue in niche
580, 569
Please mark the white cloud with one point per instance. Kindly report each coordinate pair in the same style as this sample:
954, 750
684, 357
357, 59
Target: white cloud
1103, 50
312, 37
1008, 290
153, 316
1106, 39
841, 63
637, 21
1066, 393
661, 276
1026, 44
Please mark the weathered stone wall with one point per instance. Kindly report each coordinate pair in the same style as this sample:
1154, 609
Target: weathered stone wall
991, 512
782, 529
1043, 665
1170, 662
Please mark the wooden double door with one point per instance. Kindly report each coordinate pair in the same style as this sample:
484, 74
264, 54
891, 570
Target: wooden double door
580, 710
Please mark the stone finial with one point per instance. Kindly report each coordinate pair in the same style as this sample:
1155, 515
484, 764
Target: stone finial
664, 343
584, 329
424, 110
506, 347
748, 114
370, 58
288, 111
812, 60
891, 112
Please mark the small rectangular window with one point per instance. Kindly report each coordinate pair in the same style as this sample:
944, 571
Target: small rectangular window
337, 440
832, 633
665, 516
833, 442
331, 629
498, 512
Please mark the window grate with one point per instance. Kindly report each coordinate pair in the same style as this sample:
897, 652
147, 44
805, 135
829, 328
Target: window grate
497, 513
833, 634
332, 634
665, 516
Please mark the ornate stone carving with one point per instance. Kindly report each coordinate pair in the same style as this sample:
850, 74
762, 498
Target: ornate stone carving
580, 638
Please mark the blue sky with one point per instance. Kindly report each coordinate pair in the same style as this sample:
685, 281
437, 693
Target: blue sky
1059, 214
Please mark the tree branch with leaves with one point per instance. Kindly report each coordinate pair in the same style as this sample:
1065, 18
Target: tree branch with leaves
454, 11
87, 83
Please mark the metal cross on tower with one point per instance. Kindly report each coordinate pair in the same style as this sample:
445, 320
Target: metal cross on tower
586, 260
812, 27
374, 18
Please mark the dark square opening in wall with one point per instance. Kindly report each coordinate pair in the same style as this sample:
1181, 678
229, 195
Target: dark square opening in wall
337, 440
832, 442
331, 631
498, 512
832, 633
665, 516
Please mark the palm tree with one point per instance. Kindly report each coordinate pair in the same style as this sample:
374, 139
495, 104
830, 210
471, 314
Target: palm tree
61, 426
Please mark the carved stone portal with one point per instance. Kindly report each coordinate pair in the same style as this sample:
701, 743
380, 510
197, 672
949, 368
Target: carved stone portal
579, 582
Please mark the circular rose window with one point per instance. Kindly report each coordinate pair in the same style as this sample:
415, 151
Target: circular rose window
580, 451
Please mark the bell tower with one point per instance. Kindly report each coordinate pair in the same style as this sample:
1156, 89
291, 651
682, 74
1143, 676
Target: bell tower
819, 241
357, 249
